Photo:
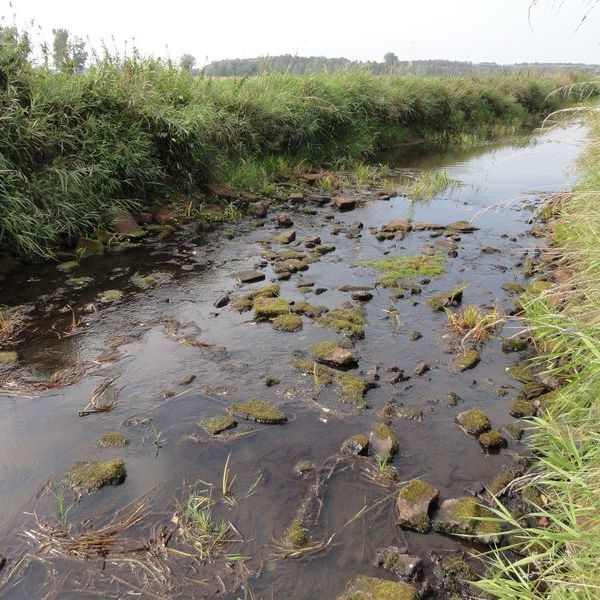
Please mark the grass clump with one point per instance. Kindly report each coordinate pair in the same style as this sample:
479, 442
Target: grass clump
349, 321
473, 323
258, 410
397, 269
352, 389
218, 424
287, 322
428, 184
113, 439
322, 375
296, 535
91, 476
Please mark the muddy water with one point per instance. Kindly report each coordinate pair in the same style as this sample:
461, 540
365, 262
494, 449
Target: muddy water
42, 436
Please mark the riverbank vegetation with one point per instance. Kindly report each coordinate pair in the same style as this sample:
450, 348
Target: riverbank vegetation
559, 556
76, 148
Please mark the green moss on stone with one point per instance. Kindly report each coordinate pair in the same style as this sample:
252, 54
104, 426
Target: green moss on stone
218, 424
324, 375
246, 301
515, 344
302, 467
402, 268
352, 389
309, 310
520, 372
91, 476
269, 308
109, 296
491, 440
331, 352
349, 321
287, 322
522, 408
417, 491
446, 299
68, 266
513, 288
468, 360
474, 421
374, 588
258, 410
113, 439
384, 442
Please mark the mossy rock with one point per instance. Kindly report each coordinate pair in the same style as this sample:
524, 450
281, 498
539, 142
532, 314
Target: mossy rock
331, 353
68, 266
269, 308
407, 568
352, 389
218, 424
415, 501
520, 408
521, 372
258, 410
384, 443
246, 301
109, 296
513, 288
323, 375
439, 302
374, 588
468, 360
303, 467
87, 246
8, 357
323, 249
356, 445
113, 439
296, 534
506, 475
492, 440
309, 310
532, 390
349, 321
143, 281
456, 577
466, 516
287, 322
474, 421
91, 476
515, 344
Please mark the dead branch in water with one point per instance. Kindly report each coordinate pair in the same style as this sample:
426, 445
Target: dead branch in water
104, 399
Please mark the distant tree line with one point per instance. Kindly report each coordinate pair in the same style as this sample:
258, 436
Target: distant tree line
288, 63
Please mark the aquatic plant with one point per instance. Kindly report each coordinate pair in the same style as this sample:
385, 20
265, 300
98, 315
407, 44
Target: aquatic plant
473, 323
429, 184
397, 269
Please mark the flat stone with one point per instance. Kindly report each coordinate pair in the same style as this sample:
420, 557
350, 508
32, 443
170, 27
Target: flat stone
248, 276
165, 215
312, 241
427, 226
318, 199
397, 225
344, 203
474, 421
222, 301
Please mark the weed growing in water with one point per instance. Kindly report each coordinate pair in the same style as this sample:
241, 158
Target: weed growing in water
429, 184
397, 269
473, 323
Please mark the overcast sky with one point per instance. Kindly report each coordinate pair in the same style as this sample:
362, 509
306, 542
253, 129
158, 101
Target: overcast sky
472, 30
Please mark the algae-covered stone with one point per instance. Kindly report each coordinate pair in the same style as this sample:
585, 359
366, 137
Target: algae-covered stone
513, 288
322, 249
474, 421
218, 424
143, 281
456, 576
374, 588
269, 308
68, 266
512, 430
468, 360
352, 389
522, 408
258, 410
89, 246
309, 310
452, 399
410, 412
356, 445
514, 344
521, 372
245, 302
396, 269
113, 439
91, 476
466, 516
492, 440
287, 322
446, 299
322, 375
303, 467
384, 443
331, 353
415, 501
285, 237
109, 296
406, 567
8, 357
507, 474
462, 227
349, 321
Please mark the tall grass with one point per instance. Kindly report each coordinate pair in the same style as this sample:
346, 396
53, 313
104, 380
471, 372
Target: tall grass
560, 559
76, 148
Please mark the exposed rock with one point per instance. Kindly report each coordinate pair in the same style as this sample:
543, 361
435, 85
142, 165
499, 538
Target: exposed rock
515, 344
452, 399
384, 443
397, 225
222, 191
344, 203
109, 296
258, 410
318, 199
373, 588
285, 237
410, 412
446, 299
248, 276
421, 368
356, 445
415, 335
303, 467
258, 209
415, 501
165, 215
91, 476
68, 266
125, 224
187, 379
312, 241
407, 568
284, 220
222, 301
455, 576
296, 197
219, 424
349, 321
474, 421
522, 408
462, 227
492, 440
462, 516
269, 308
427, 226
354, 288
513, 288
331, 353
362, 296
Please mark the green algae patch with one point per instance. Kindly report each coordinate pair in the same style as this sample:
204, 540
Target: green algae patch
384, 443
78, 282
68, 266
91, 476
522, 408
396, 269
8, 357
143, 281
109, 296
218, 424
469, 360
258, 410
520, 372
323, 375
246, 301
331, 353
474, 421
374, 588
296, 534
349, 321
269, 308
287, 322
352, 389
322, 249
113, 439
309, 310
